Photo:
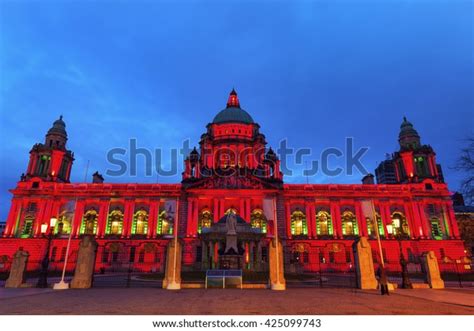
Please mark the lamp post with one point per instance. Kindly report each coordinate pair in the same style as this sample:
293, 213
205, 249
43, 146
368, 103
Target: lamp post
406, 283
43, 276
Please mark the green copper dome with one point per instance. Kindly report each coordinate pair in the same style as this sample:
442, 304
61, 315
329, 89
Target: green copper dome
233, 115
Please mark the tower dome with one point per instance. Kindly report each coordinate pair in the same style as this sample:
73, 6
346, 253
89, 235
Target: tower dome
408, 136
58, 128
57, 135
233, 113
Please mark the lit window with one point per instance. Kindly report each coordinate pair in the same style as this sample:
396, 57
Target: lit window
349, 224
258, 220
205, 220
298, 223
324, 224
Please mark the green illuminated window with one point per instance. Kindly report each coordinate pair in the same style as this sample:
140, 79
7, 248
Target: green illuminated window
27, 228
399, 224
165, 224
258, 220
140, 222
349, 224
324, 225
115, 223
298, 223
205, 220
436, 230
89, 222
63, 226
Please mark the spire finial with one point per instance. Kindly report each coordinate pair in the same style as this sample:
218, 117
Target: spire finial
61, 117
233, 100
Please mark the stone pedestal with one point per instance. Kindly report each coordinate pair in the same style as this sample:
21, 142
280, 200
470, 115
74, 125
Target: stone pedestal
84, 272
277, 277
364, 264
17, 271
172, 280
432, 270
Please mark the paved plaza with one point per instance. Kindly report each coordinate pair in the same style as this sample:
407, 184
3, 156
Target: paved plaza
226, 302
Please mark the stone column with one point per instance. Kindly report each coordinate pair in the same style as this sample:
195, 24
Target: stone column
410, 220
38, 219
45, 219
416, 218
248, 210
13, 215
309, 219
221, 207
336, 219
252, 254
189, 218
216, 210
364, 264
277, 277
103, 218
205, 256
432, 270
128, 218
17, 271
84, 272
313, 215
195, 217
78, 213
424, 220
172, 280
361, 221
288, 220
258, 263
452, 220
152, 216
211, 254
243, 209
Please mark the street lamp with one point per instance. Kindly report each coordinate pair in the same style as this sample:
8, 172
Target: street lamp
406, 283
43, 277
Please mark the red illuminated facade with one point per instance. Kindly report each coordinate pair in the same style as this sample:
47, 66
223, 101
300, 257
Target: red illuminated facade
232, 171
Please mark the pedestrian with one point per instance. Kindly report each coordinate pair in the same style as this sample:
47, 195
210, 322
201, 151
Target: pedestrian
381, 273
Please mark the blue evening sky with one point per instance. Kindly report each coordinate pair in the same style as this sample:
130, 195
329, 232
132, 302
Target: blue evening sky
311, 72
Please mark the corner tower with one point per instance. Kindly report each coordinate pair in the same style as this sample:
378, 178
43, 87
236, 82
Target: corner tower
51, 161
413, 163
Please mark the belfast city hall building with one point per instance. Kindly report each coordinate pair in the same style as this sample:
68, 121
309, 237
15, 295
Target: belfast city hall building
231, 173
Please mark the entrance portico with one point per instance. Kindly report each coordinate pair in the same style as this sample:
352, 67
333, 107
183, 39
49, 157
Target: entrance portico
232, 243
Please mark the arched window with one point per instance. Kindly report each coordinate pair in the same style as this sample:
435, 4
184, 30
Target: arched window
421, 164
89, 222
399, 224
27, 229
205, 220
258, 220
371, 226
140, 222
349, 224
63, 226
298, 223
436, 229
165, 223
115, 222
324, 224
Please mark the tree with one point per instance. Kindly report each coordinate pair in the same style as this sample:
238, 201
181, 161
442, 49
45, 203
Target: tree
465, 164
